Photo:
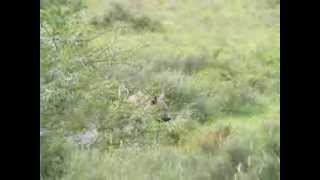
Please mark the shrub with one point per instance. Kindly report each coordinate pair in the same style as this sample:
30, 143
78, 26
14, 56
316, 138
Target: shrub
263, 166
119, 13
187, 65
212, 140
176, 132
272, 138
239, 150
55, 153
221, 168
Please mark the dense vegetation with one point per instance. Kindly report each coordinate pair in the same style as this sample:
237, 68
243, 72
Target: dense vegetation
216, 60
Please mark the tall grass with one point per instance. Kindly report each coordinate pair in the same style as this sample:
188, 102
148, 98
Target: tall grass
213, 59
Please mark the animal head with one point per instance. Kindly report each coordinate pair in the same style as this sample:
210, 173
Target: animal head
157, 104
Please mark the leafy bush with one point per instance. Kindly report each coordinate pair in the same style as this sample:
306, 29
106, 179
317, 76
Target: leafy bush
55, 154
175, 132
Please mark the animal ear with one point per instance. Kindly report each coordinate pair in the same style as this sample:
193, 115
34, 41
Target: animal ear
154, 100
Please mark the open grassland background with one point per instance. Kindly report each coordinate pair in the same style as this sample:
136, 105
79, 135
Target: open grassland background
218, 60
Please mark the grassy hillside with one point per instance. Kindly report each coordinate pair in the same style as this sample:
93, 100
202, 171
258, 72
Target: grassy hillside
216, 60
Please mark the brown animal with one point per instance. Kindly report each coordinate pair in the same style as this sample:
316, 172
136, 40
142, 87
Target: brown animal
215, 138
151, 104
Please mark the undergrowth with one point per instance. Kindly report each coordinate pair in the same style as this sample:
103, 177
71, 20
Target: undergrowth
217, 62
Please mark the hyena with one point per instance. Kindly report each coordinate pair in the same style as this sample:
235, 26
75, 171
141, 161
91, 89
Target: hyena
151, 104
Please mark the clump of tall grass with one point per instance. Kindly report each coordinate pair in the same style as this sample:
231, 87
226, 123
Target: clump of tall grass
176, 132
167, 163
55, 155
271, 130
187, 65
118, 13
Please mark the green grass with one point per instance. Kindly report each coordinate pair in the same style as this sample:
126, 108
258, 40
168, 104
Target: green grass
187, 161
218, 61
